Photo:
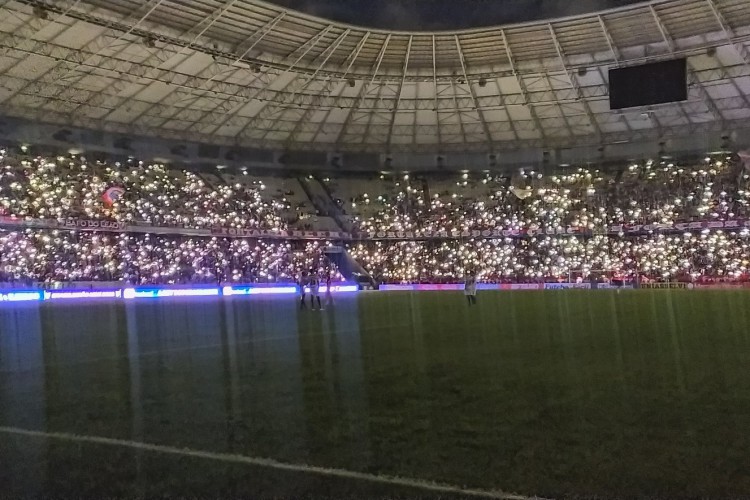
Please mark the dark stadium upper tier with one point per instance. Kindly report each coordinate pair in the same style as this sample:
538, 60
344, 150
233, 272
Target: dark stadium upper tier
439, 15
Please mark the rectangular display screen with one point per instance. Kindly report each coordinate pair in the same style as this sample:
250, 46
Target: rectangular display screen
647, 84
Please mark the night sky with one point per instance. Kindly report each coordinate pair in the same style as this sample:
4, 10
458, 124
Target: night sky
445, 14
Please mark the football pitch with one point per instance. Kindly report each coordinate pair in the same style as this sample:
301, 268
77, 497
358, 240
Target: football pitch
585, 394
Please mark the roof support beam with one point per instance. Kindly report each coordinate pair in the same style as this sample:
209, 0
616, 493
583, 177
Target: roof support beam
372, 114
691, 74
504, 99
645, 134
109, 96
458, 112
363, 91
400, 89
241, 94
738, 47
223, 89
135, 69
225, 92
265, 111
616, 56
729, 32
326, 90
31, 26
292, 138
58, 72
560, 109
330, 84
477, 107
95, 101
415, 124
610, 42
213, 71
193, 34
435, 107
574, 81
101, 43
522, 86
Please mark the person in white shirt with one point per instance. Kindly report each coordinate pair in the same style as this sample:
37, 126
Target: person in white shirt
470, 287
314, 284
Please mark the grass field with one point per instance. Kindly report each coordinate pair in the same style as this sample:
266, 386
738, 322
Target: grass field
589, 394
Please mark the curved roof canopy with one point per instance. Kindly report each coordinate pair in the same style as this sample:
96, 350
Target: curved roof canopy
252, 73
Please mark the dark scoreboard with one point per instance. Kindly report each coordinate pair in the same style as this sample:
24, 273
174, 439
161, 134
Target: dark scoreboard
646, 84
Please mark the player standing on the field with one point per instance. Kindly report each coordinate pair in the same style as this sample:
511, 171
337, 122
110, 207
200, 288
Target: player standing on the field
470, 287
302, 284
618, 280
329, 296
314, 282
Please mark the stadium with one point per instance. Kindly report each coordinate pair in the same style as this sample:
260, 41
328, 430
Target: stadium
327, 249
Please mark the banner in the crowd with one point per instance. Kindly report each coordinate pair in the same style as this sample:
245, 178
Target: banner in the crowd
83, 224
92, 225
680, 226
10, 221
486, 234
667, 285
233, 232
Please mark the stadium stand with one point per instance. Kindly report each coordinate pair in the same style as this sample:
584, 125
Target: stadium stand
587, 201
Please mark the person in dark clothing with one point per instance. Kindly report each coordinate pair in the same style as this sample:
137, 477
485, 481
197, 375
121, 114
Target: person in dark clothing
303, 281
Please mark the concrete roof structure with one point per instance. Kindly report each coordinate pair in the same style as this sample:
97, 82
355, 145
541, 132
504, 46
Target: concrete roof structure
247, 73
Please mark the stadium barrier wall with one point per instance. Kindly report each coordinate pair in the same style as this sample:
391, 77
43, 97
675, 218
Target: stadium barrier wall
721, 286
702, 286
585, 286
60, 285
152, 292
423, 287
567, 286
157, 292
498, 286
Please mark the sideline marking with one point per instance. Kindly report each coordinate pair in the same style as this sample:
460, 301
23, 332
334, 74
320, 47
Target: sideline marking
265, 462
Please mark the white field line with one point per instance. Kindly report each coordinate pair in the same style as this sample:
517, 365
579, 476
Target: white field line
265, 462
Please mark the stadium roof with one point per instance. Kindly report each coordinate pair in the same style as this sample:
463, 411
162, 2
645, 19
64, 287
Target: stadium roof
252, 73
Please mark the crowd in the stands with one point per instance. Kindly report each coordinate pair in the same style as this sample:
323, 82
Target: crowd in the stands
73, 186
582, 198
34, 187
45, 256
